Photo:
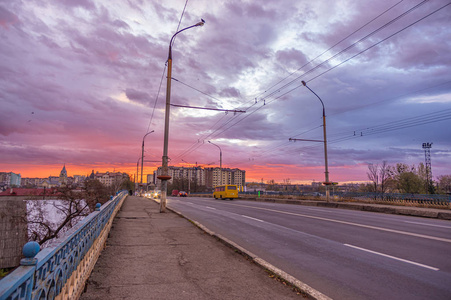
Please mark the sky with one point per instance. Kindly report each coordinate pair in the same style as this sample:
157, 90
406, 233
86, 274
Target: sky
83, 81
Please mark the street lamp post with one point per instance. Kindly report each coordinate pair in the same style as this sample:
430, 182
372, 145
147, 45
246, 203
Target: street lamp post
164, 177
142, 155
137, 173
326, 173
220, 161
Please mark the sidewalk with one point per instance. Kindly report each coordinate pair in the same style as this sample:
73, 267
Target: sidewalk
152, 255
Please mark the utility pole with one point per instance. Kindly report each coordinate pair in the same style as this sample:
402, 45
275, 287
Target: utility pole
142, 155
324, 141
220, 161
137, 175
164, 177
427, 158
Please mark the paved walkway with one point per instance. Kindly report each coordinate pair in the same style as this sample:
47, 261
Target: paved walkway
152, 255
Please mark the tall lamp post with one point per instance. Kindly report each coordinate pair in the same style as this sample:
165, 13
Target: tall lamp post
142, 154
326, 173
164, 177
220, 161
137, 174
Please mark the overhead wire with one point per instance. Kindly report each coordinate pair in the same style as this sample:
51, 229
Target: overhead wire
419, 120
156, 99
342, 51
164, 71
346, 49
383, 40
264, 103
333, 46
428, 118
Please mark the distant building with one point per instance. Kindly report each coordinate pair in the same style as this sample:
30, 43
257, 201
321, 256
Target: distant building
209, 177
110, 179
316, 184
216, 176
33, 182
51, 182
194, 174
79, 179
9, 179
150, 179
63, 176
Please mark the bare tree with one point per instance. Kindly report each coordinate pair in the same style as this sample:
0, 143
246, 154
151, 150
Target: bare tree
373, 176
48, 219
444, 184
385, 177
380, 177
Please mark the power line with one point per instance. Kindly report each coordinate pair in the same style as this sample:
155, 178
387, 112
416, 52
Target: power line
383, 40
333, 46
187, 85
264, 101
180, 21
164, 70
409, 122
402, 15
347, 49
156, 99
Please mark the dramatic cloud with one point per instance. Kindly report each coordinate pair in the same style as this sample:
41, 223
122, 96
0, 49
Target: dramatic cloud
81, 83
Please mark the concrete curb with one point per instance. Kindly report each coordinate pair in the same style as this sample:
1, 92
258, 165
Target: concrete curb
396, 210
311, 292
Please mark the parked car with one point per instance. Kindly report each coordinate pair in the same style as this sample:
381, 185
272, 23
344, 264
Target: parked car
183, 194
175, 193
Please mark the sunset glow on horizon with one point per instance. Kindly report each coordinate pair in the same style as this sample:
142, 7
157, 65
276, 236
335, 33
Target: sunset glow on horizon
82, 83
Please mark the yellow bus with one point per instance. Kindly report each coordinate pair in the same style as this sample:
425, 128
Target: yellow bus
226, 192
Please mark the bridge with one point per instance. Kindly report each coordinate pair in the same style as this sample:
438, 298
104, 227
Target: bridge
62, 270
154, 255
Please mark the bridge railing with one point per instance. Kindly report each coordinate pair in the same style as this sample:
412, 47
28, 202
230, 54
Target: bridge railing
60, 271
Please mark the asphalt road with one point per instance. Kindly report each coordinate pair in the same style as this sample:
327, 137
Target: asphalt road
341, 253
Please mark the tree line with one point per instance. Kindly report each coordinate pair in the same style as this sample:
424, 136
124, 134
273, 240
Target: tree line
402, 178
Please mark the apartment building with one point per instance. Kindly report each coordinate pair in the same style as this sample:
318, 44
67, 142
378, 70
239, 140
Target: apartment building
10, 179
109, 179
209, 177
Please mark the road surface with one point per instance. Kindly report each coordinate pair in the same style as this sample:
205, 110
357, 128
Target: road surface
343, 254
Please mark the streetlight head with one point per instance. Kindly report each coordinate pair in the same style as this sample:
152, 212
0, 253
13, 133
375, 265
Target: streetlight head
201, 23
303, 83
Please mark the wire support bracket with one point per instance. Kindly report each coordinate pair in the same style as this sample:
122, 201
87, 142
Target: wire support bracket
305, 140
208, 108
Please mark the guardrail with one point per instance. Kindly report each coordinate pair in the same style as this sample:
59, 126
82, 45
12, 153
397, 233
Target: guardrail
60, 271
433, 199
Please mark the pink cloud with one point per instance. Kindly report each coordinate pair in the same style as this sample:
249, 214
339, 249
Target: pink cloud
7, 18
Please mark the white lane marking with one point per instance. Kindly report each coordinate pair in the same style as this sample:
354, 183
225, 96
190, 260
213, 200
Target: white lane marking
253, 218
321, 210
351, 223
210, 207
425, 224
394, 257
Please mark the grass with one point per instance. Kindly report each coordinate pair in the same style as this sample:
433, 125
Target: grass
4, 272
